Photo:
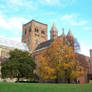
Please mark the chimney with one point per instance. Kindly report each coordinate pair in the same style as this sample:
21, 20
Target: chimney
91, 59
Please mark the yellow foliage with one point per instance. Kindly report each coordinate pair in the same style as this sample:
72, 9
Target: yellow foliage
58, 58
76, 74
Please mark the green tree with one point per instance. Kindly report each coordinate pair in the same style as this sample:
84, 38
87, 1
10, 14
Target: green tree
19, 65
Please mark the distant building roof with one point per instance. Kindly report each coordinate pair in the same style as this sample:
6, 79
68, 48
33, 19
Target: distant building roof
84, 60
44, 44
12, 44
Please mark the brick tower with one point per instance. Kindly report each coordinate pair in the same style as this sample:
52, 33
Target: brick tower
53, 32
34, 33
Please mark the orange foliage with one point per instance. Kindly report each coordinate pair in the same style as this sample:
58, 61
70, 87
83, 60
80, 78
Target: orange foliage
59, 61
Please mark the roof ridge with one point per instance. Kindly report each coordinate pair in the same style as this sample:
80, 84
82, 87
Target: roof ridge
35, 21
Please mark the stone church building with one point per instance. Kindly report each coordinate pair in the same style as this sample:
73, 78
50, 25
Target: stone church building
35, 35
35, 40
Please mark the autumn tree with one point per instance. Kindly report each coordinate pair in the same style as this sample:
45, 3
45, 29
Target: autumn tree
59, 62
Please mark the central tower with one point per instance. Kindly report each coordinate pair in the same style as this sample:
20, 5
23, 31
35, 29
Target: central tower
34, 33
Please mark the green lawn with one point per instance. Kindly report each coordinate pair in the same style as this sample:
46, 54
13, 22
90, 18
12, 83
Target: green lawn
36, 87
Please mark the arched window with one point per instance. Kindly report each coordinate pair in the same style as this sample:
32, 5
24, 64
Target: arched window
42, 32
36, 30
30, 30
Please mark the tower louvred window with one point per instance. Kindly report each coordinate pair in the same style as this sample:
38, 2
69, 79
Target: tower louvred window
42, 32
36, 30
30, 30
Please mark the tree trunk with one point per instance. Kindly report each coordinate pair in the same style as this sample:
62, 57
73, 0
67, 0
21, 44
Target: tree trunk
56, 77
68, 80
56, 80
18, 77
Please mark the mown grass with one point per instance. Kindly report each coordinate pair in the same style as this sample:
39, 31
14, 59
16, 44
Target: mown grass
37, 87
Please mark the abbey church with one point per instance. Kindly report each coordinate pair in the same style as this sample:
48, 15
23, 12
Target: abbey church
35, 35
35, 40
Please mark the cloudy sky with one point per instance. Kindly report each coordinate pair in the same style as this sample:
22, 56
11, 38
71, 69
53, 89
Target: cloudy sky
69, 14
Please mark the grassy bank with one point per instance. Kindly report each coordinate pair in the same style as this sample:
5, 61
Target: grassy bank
36, 87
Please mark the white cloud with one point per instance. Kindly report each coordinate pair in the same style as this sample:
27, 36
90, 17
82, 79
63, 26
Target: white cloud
33, 4
25, 3
13, 24
73, 20
49, 2
85, 49
3, 23
60, 3
88, 28
18, 4
17, 39
52, 2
